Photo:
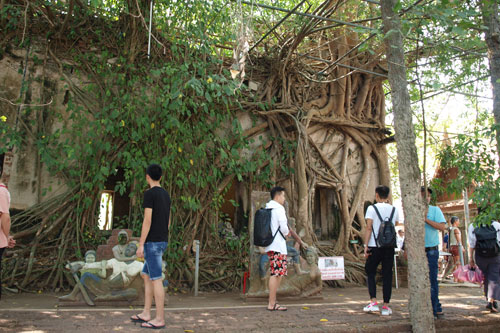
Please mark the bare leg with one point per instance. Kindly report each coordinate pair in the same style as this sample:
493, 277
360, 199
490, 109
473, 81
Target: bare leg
274, 283
148, 298
159, 294
456, 264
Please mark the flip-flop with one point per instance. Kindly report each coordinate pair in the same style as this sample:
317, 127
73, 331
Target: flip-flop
137, 319
151, 326
277, 307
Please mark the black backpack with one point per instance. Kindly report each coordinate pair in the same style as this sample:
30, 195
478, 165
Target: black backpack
486, 241
262, 233
386, 237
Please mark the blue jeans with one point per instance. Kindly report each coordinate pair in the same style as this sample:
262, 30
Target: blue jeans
432, 259
263, 264
153, 253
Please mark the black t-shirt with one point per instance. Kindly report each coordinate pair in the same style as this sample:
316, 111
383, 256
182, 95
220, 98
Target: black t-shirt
158, 200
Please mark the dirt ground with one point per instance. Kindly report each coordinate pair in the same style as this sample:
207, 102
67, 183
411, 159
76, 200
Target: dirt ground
338, 310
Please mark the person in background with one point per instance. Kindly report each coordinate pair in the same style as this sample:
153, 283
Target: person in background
455, 240
446, 259
434, 223
490, 266
6, 240
446, 241
400, 239
375, 254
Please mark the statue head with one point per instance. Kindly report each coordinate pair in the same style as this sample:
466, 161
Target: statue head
122, 237
131, 249
311, 255
90, 256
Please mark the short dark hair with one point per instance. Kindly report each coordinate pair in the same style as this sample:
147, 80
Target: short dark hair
383, 191
276, 190
453, 219
154, 171
422, 189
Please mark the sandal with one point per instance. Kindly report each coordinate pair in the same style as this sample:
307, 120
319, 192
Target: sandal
148, 324
137, 319
277, 307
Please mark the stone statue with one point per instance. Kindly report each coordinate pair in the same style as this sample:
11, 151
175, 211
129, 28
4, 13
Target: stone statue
119, 249
307, 284
103, 287
304, 284
293, 256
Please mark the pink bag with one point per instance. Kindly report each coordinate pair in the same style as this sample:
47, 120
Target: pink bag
466, 274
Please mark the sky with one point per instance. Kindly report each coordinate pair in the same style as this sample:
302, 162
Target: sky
449, 112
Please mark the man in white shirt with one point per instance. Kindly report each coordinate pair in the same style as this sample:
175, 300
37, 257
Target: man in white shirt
276, 251
375, 255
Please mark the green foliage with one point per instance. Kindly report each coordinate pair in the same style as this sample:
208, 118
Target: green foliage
475, 160
447, 56
178, 112
450, 45
95, 237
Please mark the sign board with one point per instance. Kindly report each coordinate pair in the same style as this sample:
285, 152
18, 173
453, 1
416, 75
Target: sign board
331, 268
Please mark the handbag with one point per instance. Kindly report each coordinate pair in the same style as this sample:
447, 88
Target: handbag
467, 274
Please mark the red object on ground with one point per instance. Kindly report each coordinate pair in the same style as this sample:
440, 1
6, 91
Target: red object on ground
246, 275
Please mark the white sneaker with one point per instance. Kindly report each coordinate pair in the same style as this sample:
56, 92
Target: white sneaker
386, 311
372, 307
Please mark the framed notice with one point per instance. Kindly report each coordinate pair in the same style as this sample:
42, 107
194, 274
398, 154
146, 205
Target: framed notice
331, 268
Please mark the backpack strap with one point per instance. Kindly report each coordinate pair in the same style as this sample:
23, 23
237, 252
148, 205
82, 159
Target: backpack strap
381, 220
279, 227
392, 213
374, 237
378, 214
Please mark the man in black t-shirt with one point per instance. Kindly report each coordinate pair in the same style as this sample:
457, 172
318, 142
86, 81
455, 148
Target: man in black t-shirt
152, 244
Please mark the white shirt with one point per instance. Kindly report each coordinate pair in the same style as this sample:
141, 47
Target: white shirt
399, 240
472, 235
278, 219
385, 211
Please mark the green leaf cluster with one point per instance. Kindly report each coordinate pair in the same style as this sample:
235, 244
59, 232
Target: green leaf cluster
473, 162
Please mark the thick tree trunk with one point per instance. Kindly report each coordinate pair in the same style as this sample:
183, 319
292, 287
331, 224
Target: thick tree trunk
490, 10
303, 190
409, 174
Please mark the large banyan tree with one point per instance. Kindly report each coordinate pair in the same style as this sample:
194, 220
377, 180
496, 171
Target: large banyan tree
232, 97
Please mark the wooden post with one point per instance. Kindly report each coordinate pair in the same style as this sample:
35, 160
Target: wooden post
466, 222
197, 266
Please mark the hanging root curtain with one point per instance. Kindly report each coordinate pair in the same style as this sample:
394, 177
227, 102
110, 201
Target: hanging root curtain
305, 110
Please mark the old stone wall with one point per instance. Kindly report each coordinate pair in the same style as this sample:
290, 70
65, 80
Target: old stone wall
31, 93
